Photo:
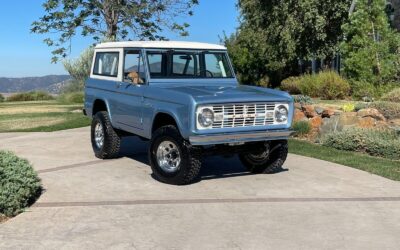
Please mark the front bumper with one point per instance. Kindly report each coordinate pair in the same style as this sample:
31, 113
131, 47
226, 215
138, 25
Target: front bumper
269, 135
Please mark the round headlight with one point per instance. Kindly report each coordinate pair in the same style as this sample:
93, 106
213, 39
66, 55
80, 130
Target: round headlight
206, 117
281, 114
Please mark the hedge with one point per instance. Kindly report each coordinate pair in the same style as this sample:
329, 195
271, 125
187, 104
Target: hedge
19, 184
379, 143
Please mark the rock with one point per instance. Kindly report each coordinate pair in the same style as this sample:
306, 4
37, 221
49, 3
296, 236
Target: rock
299, 116
330, 125
370, 112
328, 113
319, 110
395, 122
297, 106
381, 124
348, 119
309, 111
316, 122
338, 112
366, 122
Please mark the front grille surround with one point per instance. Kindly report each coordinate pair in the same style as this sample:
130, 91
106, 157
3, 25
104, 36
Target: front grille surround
239, 115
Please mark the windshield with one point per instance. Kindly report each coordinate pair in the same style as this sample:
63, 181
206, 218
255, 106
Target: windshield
188, 64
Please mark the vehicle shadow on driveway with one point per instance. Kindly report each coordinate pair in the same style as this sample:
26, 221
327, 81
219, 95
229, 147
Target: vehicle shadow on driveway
213, 167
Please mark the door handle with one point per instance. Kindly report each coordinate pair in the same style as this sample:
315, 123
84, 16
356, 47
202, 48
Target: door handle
118, 85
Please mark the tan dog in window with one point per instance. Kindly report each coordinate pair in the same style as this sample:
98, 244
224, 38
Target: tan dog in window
135, 77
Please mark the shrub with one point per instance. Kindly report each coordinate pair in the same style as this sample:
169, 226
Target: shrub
303, 99
362, 90
291, 85
332, 86
73, 97
349, 107
374, 142
1, 98
263, 82
302, 128
392, 96
390, 110
360, 105
19, 184
309, 85
30, 96
326, 85
79, 70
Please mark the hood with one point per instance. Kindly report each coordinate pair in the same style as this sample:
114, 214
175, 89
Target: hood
237, 93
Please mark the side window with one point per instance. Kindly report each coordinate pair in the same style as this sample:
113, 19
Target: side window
106, 64
157, 63
217, 66
185, 65
134, 70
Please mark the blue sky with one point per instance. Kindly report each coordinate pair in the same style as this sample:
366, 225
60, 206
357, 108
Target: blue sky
24, 54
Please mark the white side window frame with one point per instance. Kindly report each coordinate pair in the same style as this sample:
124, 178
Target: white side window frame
120, 65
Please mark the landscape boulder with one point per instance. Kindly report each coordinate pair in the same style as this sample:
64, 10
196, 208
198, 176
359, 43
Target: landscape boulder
366, 122
316, 122
299, 116
395, 123
328, 113
319, 110
309, 111
371, 112
348, 119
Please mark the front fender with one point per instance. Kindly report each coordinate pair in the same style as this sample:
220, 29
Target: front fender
179, 112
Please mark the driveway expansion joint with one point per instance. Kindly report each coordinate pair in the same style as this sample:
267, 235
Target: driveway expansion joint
212, 201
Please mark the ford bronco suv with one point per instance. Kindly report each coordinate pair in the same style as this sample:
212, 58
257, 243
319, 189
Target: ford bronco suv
185, 99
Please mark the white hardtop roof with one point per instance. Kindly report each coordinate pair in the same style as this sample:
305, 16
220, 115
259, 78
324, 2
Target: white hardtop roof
161, 45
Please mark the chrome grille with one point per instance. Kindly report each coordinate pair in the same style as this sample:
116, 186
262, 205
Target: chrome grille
243, 115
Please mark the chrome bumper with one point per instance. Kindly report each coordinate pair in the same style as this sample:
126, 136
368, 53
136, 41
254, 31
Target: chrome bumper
211, 139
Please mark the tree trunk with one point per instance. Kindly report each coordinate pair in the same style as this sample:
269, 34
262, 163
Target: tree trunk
111, 16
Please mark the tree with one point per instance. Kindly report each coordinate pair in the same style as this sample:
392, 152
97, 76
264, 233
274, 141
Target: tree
79, 70
282, 32
371, 49
111, 19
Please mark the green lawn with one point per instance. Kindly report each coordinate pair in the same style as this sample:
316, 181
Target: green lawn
379, 166
42, 116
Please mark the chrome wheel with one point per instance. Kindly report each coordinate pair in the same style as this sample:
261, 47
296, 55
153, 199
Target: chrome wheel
168, 156
99, 135
260, 155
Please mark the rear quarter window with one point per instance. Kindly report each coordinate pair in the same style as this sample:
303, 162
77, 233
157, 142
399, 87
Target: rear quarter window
106, 64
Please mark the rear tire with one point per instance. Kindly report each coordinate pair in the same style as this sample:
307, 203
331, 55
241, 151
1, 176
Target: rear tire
268, 159
172, 158
105, 140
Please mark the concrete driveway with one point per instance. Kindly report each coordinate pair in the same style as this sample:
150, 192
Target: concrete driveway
91, 204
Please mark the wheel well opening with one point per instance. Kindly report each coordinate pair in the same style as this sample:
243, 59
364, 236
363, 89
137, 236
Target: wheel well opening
163, 119
99, 105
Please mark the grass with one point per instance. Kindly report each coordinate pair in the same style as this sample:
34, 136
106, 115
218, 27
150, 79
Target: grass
379, 166
40, 116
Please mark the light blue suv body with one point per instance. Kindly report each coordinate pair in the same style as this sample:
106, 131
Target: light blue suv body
134, 107
185, 99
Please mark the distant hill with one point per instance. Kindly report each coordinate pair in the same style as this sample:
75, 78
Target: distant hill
50, 83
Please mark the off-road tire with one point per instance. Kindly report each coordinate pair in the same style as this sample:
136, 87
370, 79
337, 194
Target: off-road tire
190, 164
272, 163
112, 141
